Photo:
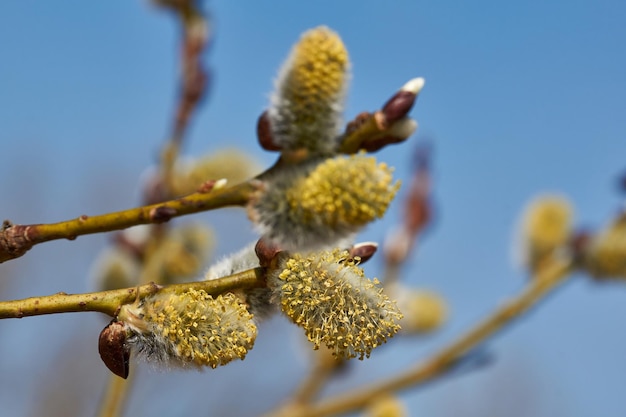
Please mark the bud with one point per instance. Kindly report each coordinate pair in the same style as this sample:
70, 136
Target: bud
400, 103
306, 107
328, 295
397, 132
114, 351
363, 251
189, 329
264, 133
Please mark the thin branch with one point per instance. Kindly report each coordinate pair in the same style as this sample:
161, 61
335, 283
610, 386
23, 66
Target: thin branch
115, 396
15, 240
108, 302
194, 80
539, 287
324, 367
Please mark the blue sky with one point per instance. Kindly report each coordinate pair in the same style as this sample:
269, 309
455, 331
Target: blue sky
521, 98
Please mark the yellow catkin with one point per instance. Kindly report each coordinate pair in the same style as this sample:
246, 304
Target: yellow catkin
328, 295
115, 268
184, 252
350, 190
190, 328
424, 311
318, 203
606, 256
386, 406
546, 226
306, 106
231, 164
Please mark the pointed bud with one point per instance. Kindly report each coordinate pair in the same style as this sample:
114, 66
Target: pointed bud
401, 103
363, 251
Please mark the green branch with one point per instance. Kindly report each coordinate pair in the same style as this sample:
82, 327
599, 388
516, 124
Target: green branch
108, 302
16, 240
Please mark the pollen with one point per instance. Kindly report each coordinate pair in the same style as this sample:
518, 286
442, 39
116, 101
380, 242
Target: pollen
328, 295
306, 107
351, 190
316, 204
191, 328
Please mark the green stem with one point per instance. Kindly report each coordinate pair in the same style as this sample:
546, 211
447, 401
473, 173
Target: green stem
108, 302
15, 240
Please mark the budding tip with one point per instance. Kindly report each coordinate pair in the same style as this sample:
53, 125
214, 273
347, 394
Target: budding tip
414, 85
221, 183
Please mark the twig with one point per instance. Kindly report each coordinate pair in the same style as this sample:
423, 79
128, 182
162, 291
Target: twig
108, 302
115, 396
15, 240
540, 286
324, 366
193, 83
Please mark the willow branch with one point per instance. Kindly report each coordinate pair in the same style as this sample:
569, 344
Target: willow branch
108, 302
543, 284
115, 396
194, 79
15, 240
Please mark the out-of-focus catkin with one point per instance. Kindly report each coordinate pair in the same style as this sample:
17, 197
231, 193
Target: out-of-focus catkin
546, 228
605, 256
385, 406
424, 311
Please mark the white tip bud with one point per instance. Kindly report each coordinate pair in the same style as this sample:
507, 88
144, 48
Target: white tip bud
221, 183
414, 86
403, 128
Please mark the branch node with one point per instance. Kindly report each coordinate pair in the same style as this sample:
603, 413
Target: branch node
162, 214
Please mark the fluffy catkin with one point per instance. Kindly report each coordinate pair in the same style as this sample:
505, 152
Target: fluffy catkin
306, 106
190, 328
328, 295
314, 205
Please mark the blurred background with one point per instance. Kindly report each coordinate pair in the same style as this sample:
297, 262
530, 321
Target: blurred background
521, 98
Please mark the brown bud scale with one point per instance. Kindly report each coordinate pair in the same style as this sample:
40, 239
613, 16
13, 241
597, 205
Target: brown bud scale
264, 133
113, 349
399, 105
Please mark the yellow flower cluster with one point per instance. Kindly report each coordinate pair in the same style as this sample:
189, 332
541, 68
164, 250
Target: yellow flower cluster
340, 191
546, 227
191, 328
327, 294
386, 406
314, 205
606, 256
306, 108
231, 164
424, 311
